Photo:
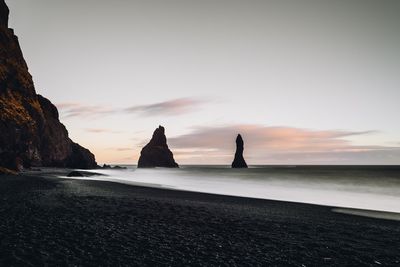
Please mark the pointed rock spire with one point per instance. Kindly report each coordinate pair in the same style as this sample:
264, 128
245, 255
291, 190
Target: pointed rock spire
239, 161
156, 153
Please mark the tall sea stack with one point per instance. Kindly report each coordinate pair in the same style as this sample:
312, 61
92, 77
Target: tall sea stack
30, 131
239, 161
156, 153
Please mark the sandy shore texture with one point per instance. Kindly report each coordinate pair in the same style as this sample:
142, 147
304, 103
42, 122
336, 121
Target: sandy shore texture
60, 222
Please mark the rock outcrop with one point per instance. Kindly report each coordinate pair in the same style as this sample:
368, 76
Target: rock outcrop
4, 12
84, 174
75, 174
109, 167
30, 131
4, 171
156, 153
239, 161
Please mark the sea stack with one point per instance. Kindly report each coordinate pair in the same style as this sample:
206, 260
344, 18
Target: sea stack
156, 153
239, 161
31, 133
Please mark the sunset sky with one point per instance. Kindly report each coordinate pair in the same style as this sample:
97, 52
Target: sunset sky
303, 81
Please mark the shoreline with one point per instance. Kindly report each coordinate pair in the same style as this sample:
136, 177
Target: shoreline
83, 222
361, 201
370, 213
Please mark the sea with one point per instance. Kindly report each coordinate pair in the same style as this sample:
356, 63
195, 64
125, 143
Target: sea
374, 188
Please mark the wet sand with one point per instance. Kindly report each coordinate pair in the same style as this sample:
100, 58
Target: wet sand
49, 221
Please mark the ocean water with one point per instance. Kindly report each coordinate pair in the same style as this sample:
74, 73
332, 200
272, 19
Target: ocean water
374, 188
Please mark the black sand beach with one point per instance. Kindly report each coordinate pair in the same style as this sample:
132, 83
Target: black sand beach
57, 222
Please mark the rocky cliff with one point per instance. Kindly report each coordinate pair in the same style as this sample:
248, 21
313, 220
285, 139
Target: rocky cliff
30, 131
239, 161
156, 153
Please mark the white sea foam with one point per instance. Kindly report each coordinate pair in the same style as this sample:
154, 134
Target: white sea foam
355, 187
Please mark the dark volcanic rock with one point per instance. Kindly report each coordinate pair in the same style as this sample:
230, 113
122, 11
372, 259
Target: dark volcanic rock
119, 168
106, 166
4, 171
109, 167
75, 174
3, 14
156, 153
80, 158
239, 161
31, 133
84, 174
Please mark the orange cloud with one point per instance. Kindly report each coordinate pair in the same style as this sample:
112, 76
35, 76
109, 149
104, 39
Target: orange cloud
280, 145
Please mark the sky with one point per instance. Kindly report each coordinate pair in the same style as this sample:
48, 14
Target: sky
303, 81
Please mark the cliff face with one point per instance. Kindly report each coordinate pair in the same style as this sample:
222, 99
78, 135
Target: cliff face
156, 153
30, 131
4, 14
239, 161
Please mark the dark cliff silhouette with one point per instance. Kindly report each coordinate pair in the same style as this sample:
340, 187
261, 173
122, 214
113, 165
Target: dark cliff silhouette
156, 153
30, 131
239, 161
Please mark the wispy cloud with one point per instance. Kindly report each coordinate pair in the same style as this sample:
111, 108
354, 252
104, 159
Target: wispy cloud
102, 130
280, 145
123, 149
70, 110
172, 107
